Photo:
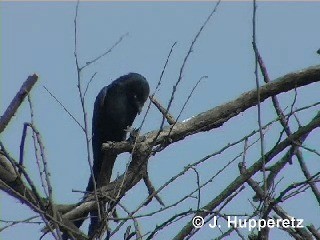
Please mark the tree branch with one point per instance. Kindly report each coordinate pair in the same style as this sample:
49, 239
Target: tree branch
203, 122
257, 166
16, 101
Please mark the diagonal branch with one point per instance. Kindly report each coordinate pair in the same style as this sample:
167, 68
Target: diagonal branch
286, 127
203, 122
16, 101
274, 205
257, 166
219, 115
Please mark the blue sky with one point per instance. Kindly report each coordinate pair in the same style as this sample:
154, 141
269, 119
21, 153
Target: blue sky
38, 38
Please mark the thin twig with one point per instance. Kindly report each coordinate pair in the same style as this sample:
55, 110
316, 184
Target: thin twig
257, 166
262, 145
105, 53
186, 102
12, 223
85, 120
282, 194
22, 144
64, 108
286, 127
88, 84
159, 83
174, 89
47, 173
199, 189
273, 204
36, 149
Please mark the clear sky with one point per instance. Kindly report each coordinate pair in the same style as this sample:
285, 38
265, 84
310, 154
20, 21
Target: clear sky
39, 38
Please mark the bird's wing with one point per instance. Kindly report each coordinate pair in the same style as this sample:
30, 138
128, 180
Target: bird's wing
102, 95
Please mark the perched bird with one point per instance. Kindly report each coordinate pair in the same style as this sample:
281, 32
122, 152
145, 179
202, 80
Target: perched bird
115, 109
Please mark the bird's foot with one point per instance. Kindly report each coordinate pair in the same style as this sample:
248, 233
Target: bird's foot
134, 133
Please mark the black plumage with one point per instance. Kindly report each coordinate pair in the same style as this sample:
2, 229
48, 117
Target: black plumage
115, 109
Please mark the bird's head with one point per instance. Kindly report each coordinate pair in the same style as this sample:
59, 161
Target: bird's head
137, 90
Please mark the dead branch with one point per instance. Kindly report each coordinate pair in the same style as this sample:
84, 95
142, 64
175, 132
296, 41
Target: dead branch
16, 101
165, 113
217, 116
295, 151
257, 166
260, 192
204, 122
64, 108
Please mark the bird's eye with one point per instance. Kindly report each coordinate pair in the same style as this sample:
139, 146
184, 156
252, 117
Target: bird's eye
135, 96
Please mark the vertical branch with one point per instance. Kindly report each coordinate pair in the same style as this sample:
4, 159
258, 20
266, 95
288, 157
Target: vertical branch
24, 91
198, 187
36, 149
47, 176
82, 95
174, 89
284, 123
159, 83
186, 102
22, 144
82, 100
265, 189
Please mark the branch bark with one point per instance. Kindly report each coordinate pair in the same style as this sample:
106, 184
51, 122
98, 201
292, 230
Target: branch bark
16, 101
142, 149
315, 123
206, 121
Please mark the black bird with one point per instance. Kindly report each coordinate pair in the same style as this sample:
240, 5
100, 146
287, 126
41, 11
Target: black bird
115, 109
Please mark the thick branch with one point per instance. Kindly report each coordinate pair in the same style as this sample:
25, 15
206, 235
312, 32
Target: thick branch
202, 122
315, 123
12, 183
206, 121
16, 101
217, 116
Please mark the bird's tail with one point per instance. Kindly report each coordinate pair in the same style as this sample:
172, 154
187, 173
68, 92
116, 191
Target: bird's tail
103, 178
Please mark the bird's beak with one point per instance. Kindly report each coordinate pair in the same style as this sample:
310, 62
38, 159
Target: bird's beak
139, 109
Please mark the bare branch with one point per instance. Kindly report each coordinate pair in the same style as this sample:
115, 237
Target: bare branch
16, 101
105, 53
158, 84
83, 108
133, 177
88, 84
264, 232
273, 205
64, 108
257, 166
165, 113
174, 89
285, 126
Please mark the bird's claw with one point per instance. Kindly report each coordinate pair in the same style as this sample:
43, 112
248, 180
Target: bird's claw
134, 132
